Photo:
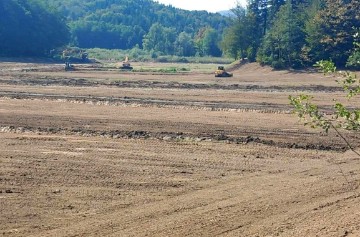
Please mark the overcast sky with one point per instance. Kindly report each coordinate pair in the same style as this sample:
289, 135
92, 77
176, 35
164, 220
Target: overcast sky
209, 5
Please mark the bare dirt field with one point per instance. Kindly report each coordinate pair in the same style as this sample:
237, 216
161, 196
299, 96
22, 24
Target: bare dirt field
99, 152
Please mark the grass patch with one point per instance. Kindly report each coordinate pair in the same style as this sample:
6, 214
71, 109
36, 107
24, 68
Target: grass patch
162, 70
139, 55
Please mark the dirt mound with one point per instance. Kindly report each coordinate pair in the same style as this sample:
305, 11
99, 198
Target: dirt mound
245, 65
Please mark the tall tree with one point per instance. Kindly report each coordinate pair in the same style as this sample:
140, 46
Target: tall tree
354, 59
260, 11
283, 43
244, 36
238, 40
206, 42
184, 45
160, 39
330, 32
30, 28
274, 7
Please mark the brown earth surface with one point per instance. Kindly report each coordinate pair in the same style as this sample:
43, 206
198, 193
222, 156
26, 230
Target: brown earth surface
98, 152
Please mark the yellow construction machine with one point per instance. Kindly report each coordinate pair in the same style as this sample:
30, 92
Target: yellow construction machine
126, 64
220, 72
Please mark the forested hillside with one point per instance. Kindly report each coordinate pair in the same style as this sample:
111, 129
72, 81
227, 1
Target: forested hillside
38, 25
279, 33
122, 24
295, 33
30, 28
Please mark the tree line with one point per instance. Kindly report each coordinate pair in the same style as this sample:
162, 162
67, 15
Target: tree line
110, 24
30, 28
279, 33
295, 33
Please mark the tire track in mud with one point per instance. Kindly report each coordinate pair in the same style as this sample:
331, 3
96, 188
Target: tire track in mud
180, 136
262, 107
249, 136
123, 101
222, 208
300, 140
81, 82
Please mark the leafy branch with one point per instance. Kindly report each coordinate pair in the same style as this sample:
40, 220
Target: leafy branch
341, 117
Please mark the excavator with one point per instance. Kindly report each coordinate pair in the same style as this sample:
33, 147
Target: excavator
69, 66
220, 72
126, 64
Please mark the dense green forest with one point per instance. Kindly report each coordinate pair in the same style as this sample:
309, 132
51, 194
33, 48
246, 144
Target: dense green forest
110, 24
295, 33
30, 28
123, 24
279, 33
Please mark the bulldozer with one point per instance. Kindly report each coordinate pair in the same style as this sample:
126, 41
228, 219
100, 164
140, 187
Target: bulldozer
126, 64
69, 66
220, 72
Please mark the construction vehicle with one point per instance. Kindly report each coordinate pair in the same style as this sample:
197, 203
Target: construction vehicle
69, 67
220, 72
126, 64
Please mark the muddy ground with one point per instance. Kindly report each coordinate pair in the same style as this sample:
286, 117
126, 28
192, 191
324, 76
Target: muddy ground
98, 152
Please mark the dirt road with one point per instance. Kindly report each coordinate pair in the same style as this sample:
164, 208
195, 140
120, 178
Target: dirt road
92, 153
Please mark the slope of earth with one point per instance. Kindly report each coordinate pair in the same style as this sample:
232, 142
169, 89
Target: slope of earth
103, 153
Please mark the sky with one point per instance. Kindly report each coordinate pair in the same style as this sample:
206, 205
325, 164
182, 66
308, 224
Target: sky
208, 5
